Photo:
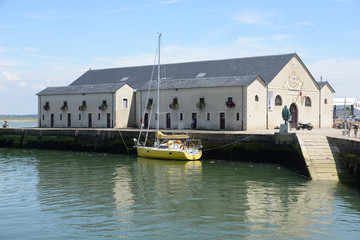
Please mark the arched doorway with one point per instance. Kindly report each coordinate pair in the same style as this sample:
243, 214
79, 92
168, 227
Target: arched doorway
294, 115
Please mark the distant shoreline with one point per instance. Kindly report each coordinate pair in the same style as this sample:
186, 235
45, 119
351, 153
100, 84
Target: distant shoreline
18, 119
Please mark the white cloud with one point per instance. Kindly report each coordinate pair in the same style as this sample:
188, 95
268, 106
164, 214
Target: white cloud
170, 1
254, 17
9, 77
10, 81
281, 37
266, 40
343, 75
344, 1
215, 10
250, 18
339, 68
22, 84
303, 23
5, 26
296, 24
31, 49
250, 40
10, 63
7, 49
54, 15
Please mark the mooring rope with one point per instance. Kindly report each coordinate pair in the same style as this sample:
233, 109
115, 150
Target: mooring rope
148, 138
127, 149
204, 150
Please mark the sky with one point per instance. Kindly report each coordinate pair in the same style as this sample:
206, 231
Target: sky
52, 43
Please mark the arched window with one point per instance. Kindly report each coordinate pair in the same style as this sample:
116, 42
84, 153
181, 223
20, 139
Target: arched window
325, 101
256, 98
278, 101
307, 102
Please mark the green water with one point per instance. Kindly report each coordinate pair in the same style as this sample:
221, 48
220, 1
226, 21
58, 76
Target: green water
65, 195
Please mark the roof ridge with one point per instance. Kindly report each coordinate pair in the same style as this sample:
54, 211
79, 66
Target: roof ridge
190, 62
265, 66
208, 78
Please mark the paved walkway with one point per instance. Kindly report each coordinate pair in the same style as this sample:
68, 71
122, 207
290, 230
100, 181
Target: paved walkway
317, 131
321, 131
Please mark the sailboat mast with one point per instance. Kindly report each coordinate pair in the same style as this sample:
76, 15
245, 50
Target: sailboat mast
158, 90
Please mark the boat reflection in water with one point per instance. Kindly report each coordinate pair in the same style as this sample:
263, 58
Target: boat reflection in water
169, 181
153, 180
171, 167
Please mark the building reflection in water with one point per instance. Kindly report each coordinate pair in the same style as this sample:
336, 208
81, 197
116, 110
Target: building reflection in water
124, 198
98, 196
284, 215
169, 178
152, 187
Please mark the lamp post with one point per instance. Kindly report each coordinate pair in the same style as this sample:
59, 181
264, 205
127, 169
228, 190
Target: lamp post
345, 127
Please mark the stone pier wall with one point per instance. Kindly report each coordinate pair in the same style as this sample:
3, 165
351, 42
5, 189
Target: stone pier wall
346, 145
243, 146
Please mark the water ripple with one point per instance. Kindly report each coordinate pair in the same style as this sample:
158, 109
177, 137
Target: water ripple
64, 195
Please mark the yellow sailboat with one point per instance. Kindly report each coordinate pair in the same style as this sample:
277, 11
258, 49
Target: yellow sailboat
171, 147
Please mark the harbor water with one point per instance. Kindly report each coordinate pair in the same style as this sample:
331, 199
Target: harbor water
20, 124
71, 195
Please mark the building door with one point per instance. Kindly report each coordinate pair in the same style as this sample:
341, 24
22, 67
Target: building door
222, 121
293, 114
108, 120
194, 120
146, 120
69, 120
168, 120
90, 120
52, 120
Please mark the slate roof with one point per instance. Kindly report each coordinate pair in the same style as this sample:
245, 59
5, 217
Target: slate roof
201, 82
323, 83
79, 89
267, 67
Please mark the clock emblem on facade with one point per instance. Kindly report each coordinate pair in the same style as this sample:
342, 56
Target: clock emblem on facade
293, 82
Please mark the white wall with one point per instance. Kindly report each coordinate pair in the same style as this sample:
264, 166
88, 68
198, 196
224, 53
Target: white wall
78, 118
256, 110
280, 85
215, 104
122, 116
326, 107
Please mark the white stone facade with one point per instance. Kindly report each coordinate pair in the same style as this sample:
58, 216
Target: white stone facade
86, 110
255, 105
197, 95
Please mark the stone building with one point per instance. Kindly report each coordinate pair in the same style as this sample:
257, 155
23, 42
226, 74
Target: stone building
86, 106
230, 94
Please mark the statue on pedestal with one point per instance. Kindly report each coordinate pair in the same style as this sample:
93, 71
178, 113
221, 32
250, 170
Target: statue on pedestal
286, 114
284, 128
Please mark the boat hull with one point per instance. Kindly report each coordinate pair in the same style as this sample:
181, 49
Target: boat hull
151, 152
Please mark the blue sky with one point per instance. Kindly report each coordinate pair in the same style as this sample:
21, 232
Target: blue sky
52, 43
